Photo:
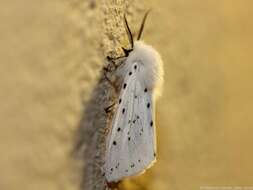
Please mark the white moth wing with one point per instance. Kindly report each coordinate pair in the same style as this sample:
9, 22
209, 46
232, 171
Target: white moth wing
131, 145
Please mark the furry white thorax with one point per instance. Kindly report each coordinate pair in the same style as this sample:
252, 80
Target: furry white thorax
153, 66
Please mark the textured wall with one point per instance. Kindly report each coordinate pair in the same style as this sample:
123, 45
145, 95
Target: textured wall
51, 53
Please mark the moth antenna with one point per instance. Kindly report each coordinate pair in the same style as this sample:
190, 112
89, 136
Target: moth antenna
142, 24
129, 33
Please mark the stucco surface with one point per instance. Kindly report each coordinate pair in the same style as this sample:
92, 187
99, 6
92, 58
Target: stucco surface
51, 54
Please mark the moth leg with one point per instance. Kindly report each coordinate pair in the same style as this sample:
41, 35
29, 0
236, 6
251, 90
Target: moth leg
126, 54
106, 70
108, 108
126, 51
112, 59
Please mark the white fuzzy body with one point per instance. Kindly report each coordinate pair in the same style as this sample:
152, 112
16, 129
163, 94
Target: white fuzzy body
153, 72
131, 143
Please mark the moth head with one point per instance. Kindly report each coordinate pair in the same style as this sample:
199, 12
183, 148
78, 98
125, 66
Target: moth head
130, 35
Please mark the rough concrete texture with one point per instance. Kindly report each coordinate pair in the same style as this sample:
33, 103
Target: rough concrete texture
51, 55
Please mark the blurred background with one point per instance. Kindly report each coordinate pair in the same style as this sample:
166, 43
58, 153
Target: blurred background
51, 53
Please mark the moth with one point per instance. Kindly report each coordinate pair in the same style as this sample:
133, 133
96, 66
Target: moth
131, 143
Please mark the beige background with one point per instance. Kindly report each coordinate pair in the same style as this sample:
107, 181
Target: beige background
51, 53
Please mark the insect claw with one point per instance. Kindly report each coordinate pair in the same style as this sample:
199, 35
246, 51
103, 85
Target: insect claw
126, 51
109, 58
107, 78
106, 69
108, 108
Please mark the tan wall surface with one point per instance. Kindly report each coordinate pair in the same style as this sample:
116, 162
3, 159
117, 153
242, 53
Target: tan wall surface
51, 53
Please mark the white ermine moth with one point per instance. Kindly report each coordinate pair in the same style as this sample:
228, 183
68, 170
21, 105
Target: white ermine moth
131, 143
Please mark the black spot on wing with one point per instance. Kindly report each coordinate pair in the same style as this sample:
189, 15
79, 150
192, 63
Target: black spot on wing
129, 138
120, 100
145, 90
148, 105
119, 129
151, 123
123, 110
114, 143
135, 67
130, 73
117, 165
124, 86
